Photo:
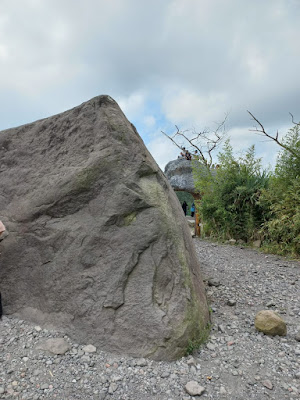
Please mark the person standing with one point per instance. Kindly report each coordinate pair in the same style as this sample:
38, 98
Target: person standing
184, 207
192, 210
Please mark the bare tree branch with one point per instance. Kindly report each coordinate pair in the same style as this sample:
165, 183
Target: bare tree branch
171, 138
294, 122
262, 132
205, 142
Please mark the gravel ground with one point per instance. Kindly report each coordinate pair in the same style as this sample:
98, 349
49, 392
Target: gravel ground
236, 363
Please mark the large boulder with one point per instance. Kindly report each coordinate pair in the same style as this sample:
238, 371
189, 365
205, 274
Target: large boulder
98, 244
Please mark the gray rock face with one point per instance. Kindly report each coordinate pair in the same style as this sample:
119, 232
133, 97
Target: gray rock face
98, 245
180, 175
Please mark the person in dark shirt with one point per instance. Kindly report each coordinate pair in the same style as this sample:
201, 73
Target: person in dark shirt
184, 207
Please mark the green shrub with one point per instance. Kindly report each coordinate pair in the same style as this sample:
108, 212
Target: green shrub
194, 345
282, 229
229, 206
242, 201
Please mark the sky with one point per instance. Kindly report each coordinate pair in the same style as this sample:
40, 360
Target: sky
167, 63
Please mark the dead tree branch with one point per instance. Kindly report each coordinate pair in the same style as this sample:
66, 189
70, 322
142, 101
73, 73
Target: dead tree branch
294, 122
205, 142
262, 132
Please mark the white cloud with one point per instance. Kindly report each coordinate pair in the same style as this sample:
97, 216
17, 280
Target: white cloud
195, 59
256, 63
132, 105
184, 106
242, 138
162, 150
149, 121
3, 52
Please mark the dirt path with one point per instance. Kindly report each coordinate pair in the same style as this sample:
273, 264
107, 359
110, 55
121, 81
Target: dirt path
238, 358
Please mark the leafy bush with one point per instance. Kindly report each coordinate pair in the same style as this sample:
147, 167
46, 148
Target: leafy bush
282, 229
240, 200
229, 206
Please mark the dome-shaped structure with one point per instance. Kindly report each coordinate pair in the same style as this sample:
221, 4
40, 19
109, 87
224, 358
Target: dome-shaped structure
180, 175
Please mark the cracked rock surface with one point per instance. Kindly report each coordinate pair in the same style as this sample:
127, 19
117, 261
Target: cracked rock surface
236, 363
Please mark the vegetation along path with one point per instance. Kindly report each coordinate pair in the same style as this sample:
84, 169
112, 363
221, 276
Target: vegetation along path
236, 363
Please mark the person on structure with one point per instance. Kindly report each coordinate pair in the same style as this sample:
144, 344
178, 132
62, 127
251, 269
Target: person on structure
182, 153
184, 207
192, 210
186, 154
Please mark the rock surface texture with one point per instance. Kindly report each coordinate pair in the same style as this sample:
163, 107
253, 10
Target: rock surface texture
180, 175
94, 245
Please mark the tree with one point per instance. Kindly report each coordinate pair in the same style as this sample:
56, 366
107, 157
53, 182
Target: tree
205, 142
284, 144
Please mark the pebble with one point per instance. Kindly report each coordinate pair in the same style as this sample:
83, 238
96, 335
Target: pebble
214, 282
38, 328
268, 384
56, 346
194, 389
141, 362
222, 390
210, 346
89, 349
231, 302
191, 361
44, 386
112, 388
